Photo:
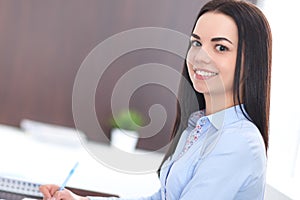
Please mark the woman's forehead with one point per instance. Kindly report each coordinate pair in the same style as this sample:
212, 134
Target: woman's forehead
215, 24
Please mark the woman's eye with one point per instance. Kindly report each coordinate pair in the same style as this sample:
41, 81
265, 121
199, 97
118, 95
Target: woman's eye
221, 48
195, 43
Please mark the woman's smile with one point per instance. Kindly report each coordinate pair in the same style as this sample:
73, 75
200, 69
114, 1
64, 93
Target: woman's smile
202, 74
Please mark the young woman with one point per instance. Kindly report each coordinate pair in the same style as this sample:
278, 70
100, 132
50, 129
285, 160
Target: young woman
220, 137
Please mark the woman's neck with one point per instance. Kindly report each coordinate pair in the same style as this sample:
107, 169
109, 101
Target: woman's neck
216, 103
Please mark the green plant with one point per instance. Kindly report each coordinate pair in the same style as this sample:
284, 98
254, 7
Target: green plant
127, 120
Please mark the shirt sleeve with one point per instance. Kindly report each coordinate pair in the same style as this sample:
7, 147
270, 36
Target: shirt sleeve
155, 196
234, 167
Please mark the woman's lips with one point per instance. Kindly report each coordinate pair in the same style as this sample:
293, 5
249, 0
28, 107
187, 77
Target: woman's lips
203, 74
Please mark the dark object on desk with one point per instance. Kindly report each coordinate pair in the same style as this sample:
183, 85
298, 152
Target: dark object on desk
83, 192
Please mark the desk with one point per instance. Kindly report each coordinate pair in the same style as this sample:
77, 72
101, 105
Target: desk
24, 156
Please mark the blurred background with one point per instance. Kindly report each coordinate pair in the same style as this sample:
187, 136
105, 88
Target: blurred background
284, 151
44, 43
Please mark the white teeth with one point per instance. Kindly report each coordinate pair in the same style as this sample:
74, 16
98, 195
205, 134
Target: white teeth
204, 73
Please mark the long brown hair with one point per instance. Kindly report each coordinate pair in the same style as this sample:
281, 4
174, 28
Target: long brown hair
253, 72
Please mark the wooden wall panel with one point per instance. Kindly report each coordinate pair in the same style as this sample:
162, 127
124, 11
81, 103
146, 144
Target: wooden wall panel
43, 43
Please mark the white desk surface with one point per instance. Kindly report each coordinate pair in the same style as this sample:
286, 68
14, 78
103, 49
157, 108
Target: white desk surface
26, 157
49, 161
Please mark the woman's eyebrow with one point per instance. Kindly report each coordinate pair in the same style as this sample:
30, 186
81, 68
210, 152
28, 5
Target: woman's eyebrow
195, 36
216, 39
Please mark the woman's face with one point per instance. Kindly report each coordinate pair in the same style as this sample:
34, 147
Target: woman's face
212, 57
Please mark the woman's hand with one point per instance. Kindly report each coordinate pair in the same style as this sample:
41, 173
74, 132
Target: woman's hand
52, 192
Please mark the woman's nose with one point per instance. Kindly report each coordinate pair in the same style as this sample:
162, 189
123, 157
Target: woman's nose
202, 56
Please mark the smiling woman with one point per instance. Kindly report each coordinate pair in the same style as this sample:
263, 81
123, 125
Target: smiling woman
228, 64
220, 137
212, 59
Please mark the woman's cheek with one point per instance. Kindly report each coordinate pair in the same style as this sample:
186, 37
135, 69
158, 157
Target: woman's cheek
190, 56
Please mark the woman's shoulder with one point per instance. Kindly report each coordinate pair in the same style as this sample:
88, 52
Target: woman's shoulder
244, 139
244, 131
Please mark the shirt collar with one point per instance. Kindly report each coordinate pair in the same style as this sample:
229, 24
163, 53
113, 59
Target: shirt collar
227, 116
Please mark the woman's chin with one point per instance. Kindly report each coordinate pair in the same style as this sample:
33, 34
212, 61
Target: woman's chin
201, 89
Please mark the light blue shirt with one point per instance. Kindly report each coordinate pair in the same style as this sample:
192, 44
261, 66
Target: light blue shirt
227, 162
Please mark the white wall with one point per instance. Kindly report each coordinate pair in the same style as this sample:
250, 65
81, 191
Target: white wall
273, 194
284, 155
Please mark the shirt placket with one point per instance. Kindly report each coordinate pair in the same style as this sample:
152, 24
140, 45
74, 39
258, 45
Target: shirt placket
194, 135
192, 138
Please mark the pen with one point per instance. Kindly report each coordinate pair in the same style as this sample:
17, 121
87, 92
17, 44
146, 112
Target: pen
68, 177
